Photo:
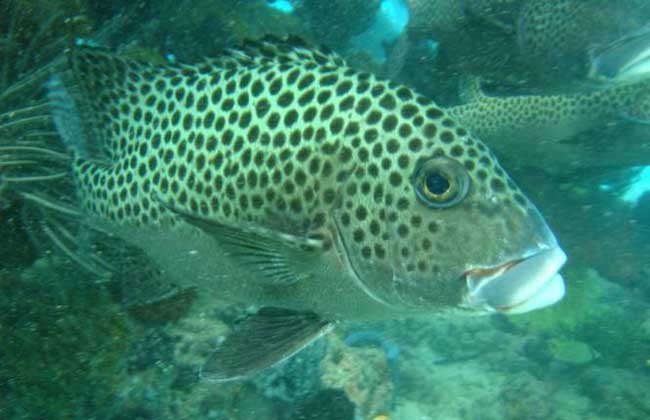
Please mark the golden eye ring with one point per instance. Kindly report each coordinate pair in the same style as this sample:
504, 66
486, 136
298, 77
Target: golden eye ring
441, 182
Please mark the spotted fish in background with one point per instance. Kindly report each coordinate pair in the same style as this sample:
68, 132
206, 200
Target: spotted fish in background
537, 130
624, 60
276, 175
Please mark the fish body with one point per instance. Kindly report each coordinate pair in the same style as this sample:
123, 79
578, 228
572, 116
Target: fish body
529, 130
553, 31
277, 175
447, 16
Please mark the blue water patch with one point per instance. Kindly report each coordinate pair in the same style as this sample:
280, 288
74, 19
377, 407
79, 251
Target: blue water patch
86, 42
392, 18
390, 22
284, 6
638, 186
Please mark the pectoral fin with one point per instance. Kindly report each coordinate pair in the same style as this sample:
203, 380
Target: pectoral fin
279, 258
263, 340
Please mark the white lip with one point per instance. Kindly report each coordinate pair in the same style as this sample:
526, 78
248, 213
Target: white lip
627, 59
518, 287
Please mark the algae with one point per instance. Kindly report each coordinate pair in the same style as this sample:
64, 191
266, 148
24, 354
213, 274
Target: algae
571, 351
64, 344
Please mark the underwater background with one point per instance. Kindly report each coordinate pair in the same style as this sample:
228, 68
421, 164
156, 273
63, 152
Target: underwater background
74, 346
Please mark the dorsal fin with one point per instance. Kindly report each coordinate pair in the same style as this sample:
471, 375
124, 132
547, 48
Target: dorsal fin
104, 89
73, 95
278, 50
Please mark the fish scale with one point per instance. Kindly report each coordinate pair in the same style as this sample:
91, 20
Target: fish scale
280, 176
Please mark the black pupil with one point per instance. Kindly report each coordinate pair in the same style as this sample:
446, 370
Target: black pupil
437, 184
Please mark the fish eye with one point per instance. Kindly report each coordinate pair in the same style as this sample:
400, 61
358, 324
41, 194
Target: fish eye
436, 185
441, 182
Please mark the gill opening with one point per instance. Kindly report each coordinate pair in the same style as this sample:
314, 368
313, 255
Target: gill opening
345, 255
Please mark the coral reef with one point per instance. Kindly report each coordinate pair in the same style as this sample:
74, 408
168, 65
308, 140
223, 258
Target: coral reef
193, 29
16, 249
581, 328
61, 333
334, 22
582, 302
296, 379
329, 404
362, 373
35, 32
629, 400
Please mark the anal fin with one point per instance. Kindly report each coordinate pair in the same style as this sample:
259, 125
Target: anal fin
263, 340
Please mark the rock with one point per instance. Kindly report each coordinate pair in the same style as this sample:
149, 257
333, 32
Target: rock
362, 373
328, 404
617, 393
572, 351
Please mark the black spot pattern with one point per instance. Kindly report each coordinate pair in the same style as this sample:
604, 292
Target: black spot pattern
279, 141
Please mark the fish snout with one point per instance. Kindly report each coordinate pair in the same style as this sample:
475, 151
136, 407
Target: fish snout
517, 286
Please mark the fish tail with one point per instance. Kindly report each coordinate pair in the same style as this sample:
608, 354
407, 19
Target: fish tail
37, 169
74, 97
65, 115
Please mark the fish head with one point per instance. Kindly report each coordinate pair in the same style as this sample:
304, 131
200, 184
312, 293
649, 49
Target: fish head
626, 59
431, 220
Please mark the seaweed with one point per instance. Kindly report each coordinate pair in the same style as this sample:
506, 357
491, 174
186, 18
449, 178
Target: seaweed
64, 344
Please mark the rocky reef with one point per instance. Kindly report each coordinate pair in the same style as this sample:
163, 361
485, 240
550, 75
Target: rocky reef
76, 345
64, 344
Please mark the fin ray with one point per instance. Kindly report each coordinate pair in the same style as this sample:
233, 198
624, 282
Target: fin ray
263, 340
280, 259
275, 49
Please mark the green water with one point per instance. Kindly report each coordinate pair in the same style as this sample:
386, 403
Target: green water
76, 344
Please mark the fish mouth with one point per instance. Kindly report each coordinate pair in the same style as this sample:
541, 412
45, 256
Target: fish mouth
517, 286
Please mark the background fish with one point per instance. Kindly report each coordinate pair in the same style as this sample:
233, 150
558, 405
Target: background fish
537, 130
277, 175
624, 60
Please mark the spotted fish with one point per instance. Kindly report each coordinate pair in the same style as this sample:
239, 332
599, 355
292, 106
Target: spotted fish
626, 59
438, 18
277, 175
535, 130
